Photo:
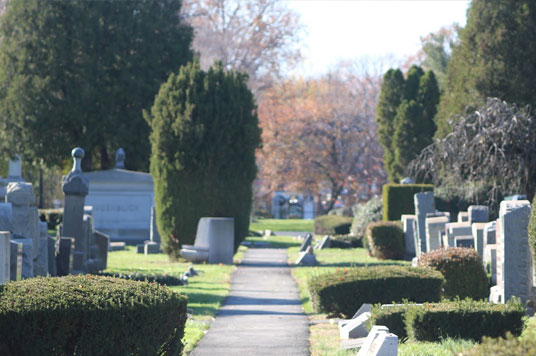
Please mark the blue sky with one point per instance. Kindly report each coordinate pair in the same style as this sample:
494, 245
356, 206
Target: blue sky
342, 30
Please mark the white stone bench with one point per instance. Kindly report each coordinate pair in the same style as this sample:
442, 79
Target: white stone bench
214, 242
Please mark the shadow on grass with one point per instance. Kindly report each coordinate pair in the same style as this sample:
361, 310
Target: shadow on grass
360, 264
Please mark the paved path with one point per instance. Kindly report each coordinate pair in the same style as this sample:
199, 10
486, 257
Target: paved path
262, 314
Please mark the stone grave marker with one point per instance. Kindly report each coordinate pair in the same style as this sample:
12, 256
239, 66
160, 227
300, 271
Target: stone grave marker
5, 255
514, 262
27, 257
379, 342
478, 214
64, 256
364, 308
490, 261
51, 251
355, 328
434, 227
463, 216
6, 217
478, 236
490, 233
464, 241
409, 235
424, 204
15, 268
307, 258
452, 230
307, 241
41, 263
324, 243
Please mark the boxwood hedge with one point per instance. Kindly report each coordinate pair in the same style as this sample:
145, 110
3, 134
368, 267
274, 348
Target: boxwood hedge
345, 290
89, 315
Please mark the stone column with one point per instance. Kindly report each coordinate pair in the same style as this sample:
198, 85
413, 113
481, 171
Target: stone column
5, 252
75, 187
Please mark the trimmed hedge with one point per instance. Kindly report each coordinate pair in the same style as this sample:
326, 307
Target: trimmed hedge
466, 319
345, 241
332, 225
345, 290
163, 279
398, 199
385, 240
392, 317
78, 315
509, 346
463, 270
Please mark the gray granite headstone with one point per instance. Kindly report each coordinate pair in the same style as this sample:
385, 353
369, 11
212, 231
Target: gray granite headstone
76, 186
478, 235
27, 256
5, 256
434, 228
307, 258
64, 256
454, 229
514, 262
409, 235
424, 204
151, 248
41, 263
51, 251
6, 217
324, 243
463, 216
307, 241
15, 269
490, 233
478, 213
99, 255
464, 241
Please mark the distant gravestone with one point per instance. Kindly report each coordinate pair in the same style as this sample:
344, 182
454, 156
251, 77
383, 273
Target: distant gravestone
379, 342
355, 328
51, 251
75, 187
434, 227
15, 268
464, 241
463, 216
408, 222
478, 214
452, 230
41, 263
490, 261
307, 258
27, 257
5, 256
478, 236
64, 256
514, 263
490, 233
424, 204
307, 241
324, 243
6, 217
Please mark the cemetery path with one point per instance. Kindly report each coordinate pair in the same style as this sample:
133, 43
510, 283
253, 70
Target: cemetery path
262, 314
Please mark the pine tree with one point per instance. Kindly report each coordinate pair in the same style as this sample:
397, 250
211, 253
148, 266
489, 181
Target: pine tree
496, 58
204, 136
405, 141
428, 98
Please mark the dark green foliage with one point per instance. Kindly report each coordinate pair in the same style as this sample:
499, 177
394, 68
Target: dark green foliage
344, 291
428, 97
406, 142
392, 317
532, 230
205, 132
463, 270
79, 73
385, 240
496, 58
398, 199
345, 241
88, 315
466, 319
53, 217
365, 214
454, 198
163, 279
509, 346
413, 78
332, 225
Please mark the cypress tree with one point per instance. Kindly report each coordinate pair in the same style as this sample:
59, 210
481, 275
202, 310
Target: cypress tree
405, 141
428, 98
496, 58
204, 136
413, 79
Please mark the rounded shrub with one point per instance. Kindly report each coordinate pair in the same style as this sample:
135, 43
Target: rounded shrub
85, 315
509, 346
385, 240
463, 271
204, 136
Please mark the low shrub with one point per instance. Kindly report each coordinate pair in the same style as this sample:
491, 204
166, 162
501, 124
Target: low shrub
392, 317
463, 270
164, 279
342, 292
385, 240
85, 315
332, 225
398, 199
365, 214
509, 346
465, 319
345, 241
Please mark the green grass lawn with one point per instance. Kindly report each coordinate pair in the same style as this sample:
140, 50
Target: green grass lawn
283, 225
324, 338
205, 292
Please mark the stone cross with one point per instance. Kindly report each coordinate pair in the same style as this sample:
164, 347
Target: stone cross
75, 187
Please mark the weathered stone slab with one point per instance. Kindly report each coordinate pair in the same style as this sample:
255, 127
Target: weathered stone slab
364, 308
355, 328
478, 236
99, 253
117, 246
478, 213
463, 216
324, 243
490, 233
15, 268
514, 262
408, 222
6, 217
434, 227
307, 241
424, 204
5, 256
151, 248
456, 229
307, 258
27, 257
379, 342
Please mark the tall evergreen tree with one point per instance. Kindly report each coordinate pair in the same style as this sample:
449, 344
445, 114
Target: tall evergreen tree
496, 58
79, 73
204, 136
405, 140
428, 98
413, 78
391, 94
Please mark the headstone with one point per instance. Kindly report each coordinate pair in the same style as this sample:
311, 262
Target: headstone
75, 186
463, 216
41, 263
490, 261
434, 227
424, 204
464, 241
514, 263
309, 207
355, 328
117, 246
452, 230
64, 256
151, 248
364, 308
409, 235
99, 253
6, 217
155, 236
490, 233
51, 251
15, 269
5, 256
140, 248
307, 258
27, 257
478, 236
307, 241
478, 213
15, 169
324, 243
379, 342
25, 216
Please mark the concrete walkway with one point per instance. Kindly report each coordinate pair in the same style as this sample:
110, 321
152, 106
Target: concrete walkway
262, 314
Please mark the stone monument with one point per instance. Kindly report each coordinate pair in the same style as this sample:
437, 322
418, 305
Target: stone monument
424, 204
5, 253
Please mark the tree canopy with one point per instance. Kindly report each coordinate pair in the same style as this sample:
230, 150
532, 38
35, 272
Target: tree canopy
496, 57
79, 73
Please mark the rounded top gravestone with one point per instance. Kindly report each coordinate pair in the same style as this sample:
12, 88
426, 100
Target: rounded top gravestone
19, 193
